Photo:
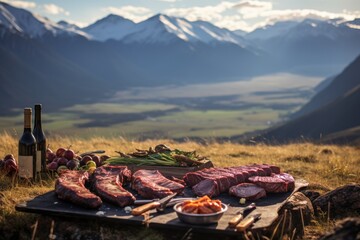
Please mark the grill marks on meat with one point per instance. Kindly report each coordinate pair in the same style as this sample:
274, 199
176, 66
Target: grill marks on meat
70, 187
107, 183
249, 191
152, 184
214, 181
276, 183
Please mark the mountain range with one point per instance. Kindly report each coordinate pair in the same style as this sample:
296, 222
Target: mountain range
331, 116
61, 63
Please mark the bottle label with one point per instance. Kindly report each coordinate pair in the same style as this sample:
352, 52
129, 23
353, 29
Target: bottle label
38, 161
26, 166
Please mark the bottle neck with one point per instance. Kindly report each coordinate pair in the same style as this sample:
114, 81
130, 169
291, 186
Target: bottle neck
27, 122
37, 122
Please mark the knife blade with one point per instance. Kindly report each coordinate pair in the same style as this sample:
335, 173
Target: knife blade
247, 222
171, 202
240, 216
155, 204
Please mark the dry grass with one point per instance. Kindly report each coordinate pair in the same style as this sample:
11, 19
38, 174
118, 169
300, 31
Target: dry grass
323, 166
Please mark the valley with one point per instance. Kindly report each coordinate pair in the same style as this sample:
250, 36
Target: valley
179, 112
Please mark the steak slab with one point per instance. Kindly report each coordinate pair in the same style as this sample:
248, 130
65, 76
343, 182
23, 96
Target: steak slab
70, 187
207, 187
249, 191
152, 184
107, 183
277, 183
217, 180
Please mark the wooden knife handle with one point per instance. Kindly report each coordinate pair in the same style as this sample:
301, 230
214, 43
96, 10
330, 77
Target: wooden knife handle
245, 224
235, 220
143, 208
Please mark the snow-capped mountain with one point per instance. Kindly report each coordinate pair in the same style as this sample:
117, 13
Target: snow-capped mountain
319, 28
165, 29
110, 27
23, 22
332, 28
321, 45
240, 32
73, 28
271, 30
353, 24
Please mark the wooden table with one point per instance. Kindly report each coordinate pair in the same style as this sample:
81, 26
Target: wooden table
49, 204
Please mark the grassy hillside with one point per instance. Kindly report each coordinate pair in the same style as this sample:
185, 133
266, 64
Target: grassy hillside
323, 166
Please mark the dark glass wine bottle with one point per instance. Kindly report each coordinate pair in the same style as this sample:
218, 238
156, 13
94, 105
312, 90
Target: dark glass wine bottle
40, 141
27, 149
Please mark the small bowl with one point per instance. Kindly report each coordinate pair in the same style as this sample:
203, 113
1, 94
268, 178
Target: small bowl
193, 218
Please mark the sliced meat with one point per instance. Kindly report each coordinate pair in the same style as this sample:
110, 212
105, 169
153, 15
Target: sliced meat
249, 191
107, 183
274, 169
175, 179
240, 175
193, 178
224, 179
70, 187
207, 187
264, 167
152, 184
277, 183
229, 176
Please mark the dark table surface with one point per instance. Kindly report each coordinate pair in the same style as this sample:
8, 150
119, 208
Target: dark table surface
49, 204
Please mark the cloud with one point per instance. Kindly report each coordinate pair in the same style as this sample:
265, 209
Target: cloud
272, 16
54, 9
134, 13
253, 4
250, 14
224, 14
167, 1
21, 4
77, 23
206, 13
299, 14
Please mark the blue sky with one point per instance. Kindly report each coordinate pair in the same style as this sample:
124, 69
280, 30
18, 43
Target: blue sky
237, 14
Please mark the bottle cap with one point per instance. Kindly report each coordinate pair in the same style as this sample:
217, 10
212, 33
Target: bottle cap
27, 110
37, 106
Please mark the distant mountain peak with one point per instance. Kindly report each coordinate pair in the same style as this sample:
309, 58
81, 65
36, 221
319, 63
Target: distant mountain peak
24, 22
113, 18
110, 27
67, 24
162, 28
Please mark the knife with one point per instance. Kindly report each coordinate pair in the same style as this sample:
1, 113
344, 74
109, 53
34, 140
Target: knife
240, 216
172, 202
247, 222
160, 204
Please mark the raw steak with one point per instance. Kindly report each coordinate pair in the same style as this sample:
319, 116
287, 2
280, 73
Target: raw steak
107, 183
276, 183
226, 177
249, 191
70, 187
206, 187
152, 184
223, 179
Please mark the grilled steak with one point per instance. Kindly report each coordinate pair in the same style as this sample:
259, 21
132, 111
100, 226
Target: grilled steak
249, 191
152, 184
107, 183
70, 187
276, 183
226, 177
